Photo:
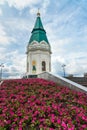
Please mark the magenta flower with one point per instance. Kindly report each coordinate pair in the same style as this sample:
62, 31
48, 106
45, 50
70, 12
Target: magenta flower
38, 103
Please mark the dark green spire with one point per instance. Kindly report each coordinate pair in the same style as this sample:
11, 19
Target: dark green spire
38, 32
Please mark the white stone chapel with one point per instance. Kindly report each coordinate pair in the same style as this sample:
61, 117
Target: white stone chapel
38, 50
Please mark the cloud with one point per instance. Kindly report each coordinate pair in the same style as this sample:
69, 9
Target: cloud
14, 64
32, 4
58, 45
22, 4
65, 24
33, 10
77, 67
67, 36
76, 63
42, 6
1, 12
2, 2
4, 38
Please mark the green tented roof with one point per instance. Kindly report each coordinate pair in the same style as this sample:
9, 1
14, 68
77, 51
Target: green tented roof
38, 32
38, 23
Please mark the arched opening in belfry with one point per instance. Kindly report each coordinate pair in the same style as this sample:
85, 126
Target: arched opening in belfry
43, 66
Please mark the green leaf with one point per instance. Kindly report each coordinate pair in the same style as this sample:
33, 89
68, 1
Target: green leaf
1, 128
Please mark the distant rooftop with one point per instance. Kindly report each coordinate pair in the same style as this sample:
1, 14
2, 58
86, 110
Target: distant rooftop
79, 80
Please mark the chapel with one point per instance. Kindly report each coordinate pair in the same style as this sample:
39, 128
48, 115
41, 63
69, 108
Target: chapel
38, 50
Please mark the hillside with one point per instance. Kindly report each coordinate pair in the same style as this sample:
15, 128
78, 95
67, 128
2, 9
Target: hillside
37, 104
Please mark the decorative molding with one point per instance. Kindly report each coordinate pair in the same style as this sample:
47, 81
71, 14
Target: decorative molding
43, 46
34, 43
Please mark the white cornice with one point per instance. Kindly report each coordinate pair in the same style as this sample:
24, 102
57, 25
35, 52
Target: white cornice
43, 46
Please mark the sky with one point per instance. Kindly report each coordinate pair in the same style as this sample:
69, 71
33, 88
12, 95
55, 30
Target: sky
65, 22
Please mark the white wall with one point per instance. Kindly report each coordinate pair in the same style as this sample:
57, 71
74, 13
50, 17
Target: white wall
38, 52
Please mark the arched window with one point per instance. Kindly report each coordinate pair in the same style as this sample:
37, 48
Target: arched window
43, 66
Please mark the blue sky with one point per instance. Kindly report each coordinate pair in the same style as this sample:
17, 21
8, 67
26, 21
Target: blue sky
65, 22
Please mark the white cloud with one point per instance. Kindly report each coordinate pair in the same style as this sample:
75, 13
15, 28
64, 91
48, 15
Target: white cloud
23, 25
19, 60
4, 38
2, 53
33, 10
77, 55
65, 49
63, 32
65, 52
2, 32
44, 6
2, 2
77, 67
76, 63
2, 49
20, 4
58, 45
14, 64
1, 12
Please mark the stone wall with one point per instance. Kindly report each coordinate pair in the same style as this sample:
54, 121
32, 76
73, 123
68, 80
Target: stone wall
62, 81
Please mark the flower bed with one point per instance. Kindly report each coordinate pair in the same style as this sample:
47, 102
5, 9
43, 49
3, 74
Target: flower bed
37, 104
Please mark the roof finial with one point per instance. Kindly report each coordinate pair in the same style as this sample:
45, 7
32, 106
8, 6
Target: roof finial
38, 13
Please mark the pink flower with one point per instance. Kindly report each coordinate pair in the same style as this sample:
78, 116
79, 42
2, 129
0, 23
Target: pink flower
71, 128
26, 117
84, 126
38, 101
64, 124
58, 121
52, 118
51, 129
20, 128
